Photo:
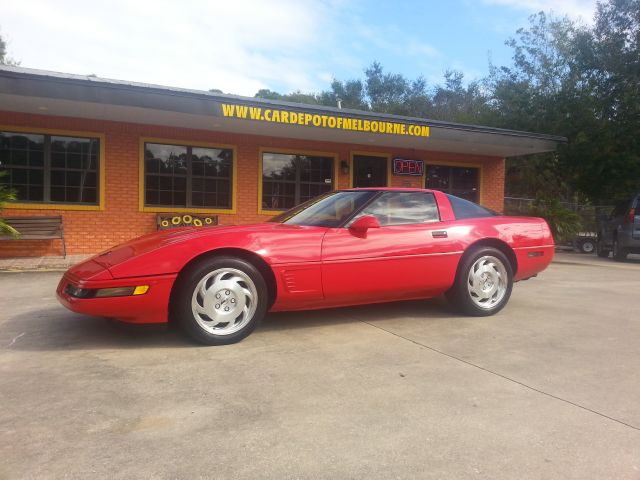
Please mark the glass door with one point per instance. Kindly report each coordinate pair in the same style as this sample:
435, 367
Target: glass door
369, 171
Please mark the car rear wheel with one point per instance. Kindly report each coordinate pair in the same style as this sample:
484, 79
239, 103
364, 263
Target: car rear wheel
483, 282
600, 249
619, 253
220, 300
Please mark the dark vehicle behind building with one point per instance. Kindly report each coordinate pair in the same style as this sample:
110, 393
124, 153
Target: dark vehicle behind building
620, 232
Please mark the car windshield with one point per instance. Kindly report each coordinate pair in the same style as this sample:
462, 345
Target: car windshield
329, 210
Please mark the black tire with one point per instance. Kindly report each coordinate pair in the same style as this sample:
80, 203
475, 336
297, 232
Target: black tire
587, 246
601, 251
619, 254
459, 295
232, 285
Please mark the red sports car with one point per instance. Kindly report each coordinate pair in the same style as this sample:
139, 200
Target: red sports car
347, 247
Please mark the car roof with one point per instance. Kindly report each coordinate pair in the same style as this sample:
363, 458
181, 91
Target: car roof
386, 189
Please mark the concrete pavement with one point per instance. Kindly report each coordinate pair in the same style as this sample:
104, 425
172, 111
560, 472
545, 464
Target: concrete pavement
548, 388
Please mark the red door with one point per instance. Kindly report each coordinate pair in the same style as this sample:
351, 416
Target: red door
409, 256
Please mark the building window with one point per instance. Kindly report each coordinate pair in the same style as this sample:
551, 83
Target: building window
51, 168
291, 179
463, 182
188, 177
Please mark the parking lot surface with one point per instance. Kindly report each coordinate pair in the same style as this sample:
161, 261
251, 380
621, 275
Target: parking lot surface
548, 388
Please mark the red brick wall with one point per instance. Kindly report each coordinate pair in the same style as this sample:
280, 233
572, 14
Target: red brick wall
93, 231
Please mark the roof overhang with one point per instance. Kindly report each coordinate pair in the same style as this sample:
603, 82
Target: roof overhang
42, 92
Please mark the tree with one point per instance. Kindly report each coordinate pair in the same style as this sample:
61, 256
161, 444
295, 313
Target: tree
541, 92
582, 83
351, 93
569, 79
610, 56
393, 93
3, 50
297, 96
456, 103
4, 58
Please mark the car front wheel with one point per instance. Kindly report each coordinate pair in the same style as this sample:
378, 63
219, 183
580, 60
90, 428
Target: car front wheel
220, 300
483, 282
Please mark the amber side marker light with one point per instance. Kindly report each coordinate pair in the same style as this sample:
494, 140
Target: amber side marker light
141, 290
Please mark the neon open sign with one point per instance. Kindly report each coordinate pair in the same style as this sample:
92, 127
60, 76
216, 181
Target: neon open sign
403, 166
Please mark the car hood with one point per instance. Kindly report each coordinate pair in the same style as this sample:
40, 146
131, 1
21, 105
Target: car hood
168, 251
167, 238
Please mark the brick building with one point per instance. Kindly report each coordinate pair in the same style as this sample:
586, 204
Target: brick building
110, 156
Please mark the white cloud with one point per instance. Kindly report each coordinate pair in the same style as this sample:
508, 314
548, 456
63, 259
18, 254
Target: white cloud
578, 9
236, 46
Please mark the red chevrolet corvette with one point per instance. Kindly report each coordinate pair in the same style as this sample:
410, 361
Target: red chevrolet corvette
348, 247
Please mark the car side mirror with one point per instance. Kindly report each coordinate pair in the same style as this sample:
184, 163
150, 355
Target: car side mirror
364, 223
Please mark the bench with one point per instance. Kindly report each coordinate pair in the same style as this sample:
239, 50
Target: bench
37, 228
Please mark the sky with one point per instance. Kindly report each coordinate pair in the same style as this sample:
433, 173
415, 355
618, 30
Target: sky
241, 46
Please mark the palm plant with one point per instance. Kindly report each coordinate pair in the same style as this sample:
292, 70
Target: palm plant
6, 195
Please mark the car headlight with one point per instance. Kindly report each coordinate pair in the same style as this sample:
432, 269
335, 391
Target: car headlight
106, 292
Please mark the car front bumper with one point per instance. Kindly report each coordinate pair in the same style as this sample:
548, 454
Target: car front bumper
151, 307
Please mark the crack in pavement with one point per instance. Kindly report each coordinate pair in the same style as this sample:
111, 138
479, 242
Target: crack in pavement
513, 380
15, 338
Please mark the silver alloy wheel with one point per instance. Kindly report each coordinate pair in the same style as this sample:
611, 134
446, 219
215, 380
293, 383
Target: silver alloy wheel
487, 282
224, 301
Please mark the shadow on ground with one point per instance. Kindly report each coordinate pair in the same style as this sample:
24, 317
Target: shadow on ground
54, 329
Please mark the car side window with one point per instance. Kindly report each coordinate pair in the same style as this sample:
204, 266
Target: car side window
464, 209
403, 208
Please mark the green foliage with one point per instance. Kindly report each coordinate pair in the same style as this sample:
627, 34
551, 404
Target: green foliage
6, 195
297, 96
582, 83
393, 93
352, 94
564, 223
610, 59
456, 103
3, 50
4, 58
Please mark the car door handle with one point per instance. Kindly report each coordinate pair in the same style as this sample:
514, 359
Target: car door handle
439, 234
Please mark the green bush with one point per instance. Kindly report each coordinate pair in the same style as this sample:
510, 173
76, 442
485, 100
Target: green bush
6, 195
564, 223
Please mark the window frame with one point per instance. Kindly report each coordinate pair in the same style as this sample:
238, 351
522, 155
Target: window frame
185, 143
381, 194
362, 153
478, 166
100, 204
291, 151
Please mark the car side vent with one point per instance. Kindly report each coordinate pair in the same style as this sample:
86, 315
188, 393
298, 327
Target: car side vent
289, 280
